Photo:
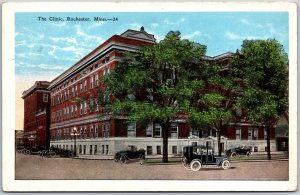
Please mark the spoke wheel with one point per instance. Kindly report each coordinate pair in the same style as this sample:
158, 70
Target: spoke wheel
226, 164
233, 155
248, 153
123, 159
196, 165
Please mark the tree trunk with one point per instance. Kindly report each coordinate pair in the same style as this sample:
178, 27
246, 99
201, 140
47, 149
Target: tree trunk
268, 142
165, 132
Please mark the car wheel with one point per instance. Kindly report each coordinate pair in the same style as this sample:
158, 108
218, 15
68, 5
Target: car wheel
123, 159
28, 152
233, 155
248, 153
196, 165
226, 164
116, 158
52, 154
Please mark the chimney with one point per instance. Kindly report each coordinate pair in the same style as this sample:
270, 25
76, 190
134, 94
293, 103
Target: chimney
142, 29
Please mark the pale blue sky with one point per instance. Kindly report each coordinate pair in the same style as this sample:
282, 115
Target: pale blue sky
45, 49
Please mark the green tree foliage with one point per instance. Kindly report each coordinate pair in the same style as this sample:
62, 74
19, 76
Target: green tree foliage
154, 84
214, 107
263, 68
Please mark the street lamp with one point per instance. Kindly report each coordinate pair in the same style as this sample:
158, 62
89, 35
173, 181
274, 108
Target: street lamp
74, 133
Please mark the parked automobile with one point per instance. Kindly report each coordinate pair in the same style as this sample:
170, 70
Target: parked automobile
61, 152
194, 157
32, 150
130, 155
233, 152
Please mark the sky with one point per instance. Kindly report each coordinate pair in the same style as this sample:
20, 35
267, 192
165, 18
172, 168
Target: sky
44, 49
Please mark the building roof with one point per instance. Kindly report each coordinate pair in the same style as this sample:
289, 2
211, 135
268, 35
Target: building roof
43, 85
219, 57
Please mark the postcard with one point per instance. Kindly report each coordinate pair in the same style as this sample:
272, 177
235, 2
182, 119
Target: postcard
129, 96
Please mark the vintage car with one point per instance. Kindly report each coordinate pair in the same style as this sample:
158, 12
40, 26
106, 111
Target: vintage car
132, 154
194, 157
233, 152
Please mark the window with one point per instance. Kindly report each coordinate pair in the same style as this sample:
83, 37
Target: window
91, 105
91, 149
105, 130
131, 129
80, 149
67, 112
174, 131
149, 150
174, 149
95, 149
96, 130
84, 85
158, 150
252, 133
96, 79
149, 130
91, 82
96, 105
81, 107
72, 110
81, 132
238, 133
75, 110
91, 131
45, 97
106, 152
84, 107
157, 130
75, 91
103, 149
81, 87
84, 136
84, 149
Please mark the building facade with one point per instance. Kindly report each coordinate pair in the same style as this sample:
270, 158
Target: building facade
37, 115
73, 96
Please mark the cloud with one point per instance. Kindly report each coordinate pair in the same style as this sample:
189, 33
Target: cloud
20, 43
168, 22
233, 36
252, 24
81, 33
62, 24
154, 25
96, 24
48, 67
31, 33
136, 26
64, 39
194, 34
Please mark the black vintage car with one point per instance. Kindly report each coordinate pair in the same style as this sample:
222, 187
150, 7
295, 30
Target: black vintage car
233, 152
194, 157
130, 155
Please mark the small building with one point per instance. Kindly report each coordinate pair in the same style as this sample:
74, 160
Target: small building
37, 115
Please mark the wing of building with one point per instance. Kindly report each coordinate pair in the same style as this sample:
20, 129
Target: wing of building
73, 105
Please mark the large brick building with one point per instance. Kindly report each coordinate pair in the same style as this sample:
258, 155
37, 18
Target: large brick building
74, 107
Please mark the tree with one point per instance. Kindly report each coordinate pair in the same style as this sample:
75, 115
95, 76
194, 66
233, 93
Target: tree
263, 68
214, 106
147, 86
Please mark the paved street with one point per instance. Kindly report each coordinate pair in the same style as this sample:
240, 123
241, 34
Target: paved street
36, 167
